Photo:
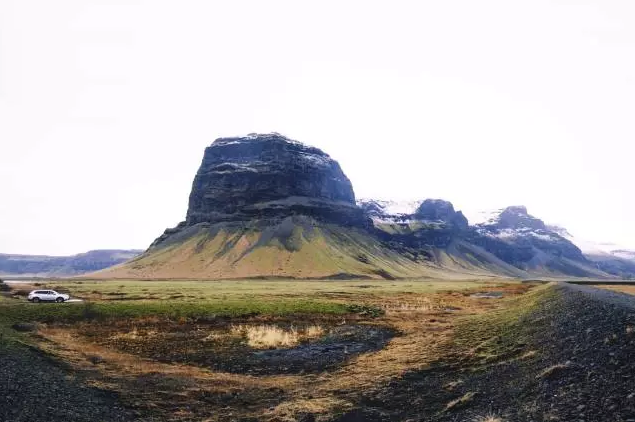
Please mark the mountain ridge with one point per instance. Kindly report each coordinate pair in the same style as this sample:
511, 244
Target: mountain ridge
266, 205
20, 265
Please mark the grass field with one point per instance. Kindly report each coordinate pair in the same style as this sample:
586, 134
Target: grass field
248, 289
264, 349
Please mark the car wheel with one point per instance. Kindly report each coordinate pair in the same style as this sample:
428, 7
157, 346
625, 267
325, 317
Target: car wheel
59, 300
36, 299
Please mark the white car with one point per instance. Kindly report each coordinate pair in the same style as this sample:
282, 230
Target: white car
48, 296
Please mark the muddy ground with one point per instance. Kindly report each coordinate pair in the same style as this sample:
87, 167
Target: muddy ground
214, 344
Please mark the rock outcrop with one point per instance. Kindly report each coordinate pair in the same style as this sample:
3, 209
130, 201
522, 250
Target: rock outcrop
442, 211
269, 177
384, 211
516, 218
431, 211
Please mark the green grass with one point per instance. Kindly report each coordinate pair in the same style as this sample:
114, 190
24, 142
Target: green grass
501, 333
205, 299
104, 310
253, 289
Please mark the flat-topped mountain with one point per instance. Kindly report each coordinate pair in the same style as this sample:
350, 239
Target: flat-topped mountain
266, 205
269, 175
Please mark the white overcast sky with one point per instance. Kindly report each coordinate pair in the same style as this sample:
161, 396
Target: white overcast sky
106, 107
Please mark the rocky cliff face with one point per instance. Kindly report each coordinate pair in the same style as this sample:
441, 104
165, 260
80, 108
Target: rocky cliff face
383, 211
515, 218
432, 211
431, 223
269, 176
256, 174
442, 211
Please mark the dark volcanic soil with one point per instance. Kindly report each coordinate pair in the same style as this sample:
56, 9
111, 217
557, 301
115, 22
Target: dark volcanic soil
35, 388
341, 344
211, 345
573, 359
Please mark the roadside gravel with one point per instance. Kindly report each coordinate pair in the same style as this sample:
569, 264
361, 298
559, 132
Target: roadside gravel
34, 388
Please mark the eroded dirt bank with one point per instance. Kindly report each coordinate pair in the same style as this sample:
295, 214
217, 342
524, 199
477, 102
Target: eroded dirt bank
569, 356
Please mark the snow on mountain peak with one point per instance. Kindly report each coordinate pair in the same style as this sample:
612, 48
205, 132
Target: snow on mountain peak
389, 207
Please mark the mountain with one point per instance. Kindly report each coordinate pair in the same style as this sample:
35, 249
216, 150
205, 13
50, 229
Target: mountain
62, 266
530, 244
508, 241
608, 257
264, 205
270, 176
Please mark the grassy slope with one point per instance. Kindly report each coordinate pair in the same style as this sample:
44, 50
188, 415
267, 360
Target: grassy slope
306, 250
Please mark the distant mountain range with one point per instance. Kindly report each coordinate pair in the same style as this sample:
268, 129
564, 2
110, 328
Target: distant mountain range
62, 266
516, 227
267, 206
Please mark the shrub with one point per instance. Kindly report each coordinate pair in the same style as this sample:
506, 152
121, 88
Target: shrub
365, 310
24, 327
95, 359
4, 287
89, 311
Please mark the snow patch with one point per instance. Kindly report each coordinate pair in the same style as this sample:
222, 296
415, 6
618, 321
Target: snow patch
255, 136
393, 208
319, 160
483, 217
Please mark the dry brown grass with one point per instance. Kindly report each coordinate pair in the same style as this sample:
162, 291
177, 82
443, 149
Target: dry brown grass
461, 401
272, 336
425, 331
528, 355
452, 385
487, 418
553, 371
418, 305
